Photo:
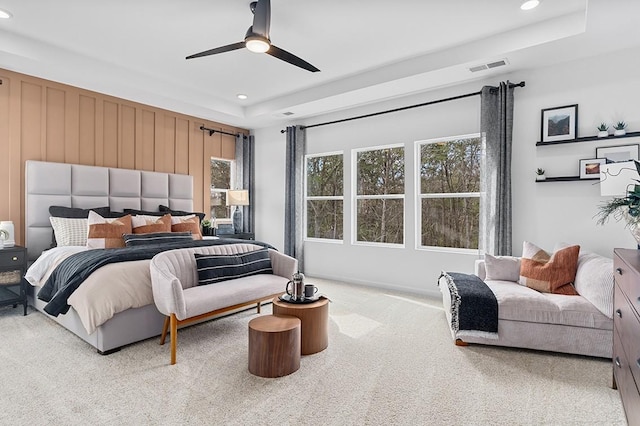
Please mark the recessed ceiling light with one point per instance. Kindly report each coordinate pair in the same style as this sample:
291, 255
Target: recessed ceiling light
242, 96
529, 4
5, 14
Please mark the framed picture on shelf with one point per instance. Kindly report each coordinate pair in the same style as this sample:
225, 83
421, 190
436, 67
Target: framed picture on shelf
590, 168
559, 124
618, 154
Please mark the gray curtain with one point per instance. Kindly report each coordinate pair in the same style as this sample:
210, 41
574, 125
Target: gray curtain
293, 232
496, 126
245, 177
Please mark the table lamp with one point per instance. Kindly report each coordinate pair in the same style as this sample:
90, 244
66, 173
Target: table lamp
237, 198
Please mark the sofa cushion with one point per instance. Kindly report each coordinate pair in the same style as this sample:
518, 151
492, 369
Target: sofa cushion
520, 303
214, 268
549, 273
594, 281
503, 268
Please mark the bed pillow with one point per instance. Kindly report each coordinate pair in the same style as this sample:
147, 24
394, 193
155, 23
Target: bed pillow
69, 232
107, 232
501, 268
189, 223
166, 209
143, 224
214, 268
144, 212
549, 273
133, 240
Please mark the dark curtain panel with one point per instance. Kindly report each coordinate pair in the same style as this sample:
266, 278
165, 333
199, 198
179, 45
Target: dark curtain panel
497, 127
293, 232
245, 172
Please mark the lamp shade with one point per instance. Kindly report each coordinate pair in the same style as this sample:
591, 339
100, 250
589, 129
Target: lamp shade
616, 178
237, 197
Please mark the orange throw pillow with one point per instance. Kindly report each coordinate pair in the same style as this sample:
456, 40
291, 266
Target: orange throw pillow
144, 224
107, 233
549, 273
190, 223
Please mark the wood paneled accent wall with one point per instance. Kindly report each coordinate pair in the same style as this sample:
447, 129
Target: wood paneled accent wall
48, 121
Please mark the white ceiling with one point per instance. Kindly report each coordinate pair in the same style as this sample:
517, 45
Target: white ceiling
367, 51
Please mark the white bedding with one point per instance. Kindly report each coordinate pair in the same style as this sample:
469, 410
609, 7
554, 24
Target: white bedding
111, 289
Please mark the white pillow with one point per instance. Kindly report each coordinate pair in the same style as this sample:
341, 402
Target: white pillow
501, 268
594, 281
69, 232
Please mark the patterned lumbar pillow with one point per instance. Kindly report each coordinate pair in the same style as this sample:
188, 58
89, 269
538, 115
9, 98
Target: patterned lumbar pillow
69, 232
190, 223
133, 240
214, 268
107, 233
549, 273
143, 224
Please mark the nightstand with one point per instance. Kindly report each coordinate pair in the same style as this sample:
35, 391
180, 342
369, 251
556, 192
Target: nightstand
239, 236
13, 265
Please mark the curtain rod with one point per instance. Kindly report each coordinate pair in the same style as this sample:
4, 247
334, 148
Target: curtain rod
467, 95
212, 131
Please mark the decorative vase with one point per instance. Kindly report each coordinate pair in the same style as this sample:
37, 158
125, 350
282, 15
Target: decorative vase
7, 225
540, 177
620, 132
603, 134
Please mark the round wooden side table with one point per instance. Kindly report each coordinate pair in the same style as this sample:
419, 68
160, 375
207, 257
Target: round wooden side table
274, 345
315, 322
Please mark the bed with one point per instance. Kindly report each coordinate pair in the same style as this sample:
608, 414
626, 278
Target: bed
59, 184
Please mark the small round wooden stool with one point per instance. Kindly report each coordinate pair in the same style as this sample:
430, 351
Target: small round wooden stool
274, 345
315, 322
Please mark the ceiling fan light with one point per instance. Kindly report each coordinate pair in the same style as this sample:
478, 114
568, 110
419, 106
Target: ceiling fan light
257, 44
529, 4
5, 14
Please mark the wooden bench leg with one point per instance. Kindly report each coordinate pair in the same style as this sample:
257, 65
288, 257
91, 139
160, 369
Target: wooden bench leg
174, 337
165, 328
460, 342
258, 306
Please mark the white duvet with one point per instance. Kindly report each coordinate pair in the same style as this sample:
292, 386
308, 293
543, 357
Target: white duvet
111, 289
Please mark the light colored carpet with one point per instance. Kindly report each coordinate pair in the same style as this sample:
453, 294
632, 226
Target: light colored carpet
390, 361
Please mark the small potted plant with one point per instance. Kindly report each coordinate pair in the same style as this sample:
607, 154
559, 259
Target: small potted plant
620, 127
603, 130
206, 227
540, 174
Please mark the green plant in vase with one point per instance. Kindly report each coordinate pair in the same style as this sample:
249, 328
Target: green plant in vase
620, 128
603, 130
206, 227
540, 174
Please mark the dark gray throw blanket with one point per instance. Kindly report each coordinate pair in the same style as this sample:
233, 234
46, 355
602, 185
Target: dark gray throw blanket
72, 271
474, 307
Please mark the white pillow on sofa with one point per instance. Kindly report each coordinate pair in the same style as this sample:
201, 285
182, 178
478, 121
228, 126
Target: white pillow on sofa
501, 268
594, 281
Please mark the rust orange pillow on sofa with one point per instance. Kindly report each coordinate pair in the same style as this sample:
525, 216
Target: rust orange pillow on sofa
547, 273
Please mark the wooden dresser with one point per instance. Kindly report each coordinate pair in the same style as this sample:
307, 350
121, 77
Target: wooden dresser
626, 331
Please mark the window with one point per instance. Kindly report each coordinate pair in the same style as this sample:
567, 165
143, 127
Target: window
449, 197
380, 195
220, 183
324, 196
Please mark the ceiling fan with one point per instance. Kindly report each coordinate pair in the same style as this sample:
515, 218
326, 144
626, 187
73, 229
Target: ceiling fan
257, 39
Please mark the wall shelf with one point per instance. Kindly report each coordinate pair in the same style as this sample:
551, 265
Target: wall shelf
565, 179
587, 139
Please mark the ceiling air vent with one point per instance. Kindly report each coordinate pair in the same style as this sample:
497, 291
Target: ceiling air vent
495, 64
287, 113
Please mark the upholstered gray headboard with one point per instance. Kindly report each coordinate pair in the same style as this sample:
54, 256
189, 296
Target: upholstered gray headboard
72, 185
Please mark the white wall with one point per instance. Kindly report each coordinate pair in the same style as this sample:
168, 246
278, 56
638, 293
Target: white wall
606, 89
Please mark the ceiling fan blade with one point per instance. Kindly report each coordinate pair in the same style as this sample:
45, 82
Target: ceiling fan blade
276, 52
222, 49
262, 18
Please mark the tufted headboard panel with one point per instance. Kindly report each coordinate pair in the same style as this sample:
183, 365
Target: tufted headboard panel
73, 185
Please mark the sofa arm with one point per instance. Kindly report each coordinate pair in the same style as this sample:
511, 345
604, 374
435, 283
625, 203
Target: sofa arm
479, 269
283, 265
168, 294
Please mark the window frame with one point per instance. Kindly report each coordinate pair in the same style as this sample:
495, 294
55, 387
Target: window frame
355, 197
419, 196
321, 198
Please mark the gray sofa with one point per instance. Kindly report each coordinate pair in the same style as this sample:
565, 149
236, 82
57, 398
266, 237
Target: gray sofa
177, 295
581, 324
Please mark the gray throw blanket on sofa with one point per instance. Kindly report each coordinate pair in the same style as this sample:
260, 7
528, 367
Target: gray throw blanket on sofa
474, 307
72, 271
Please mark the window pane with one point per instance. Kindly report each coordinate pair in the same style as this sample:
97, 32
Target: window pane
324, 219
451, 222
324, 176
451, 166
220, 174
381, 171
381, 221
219, 207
